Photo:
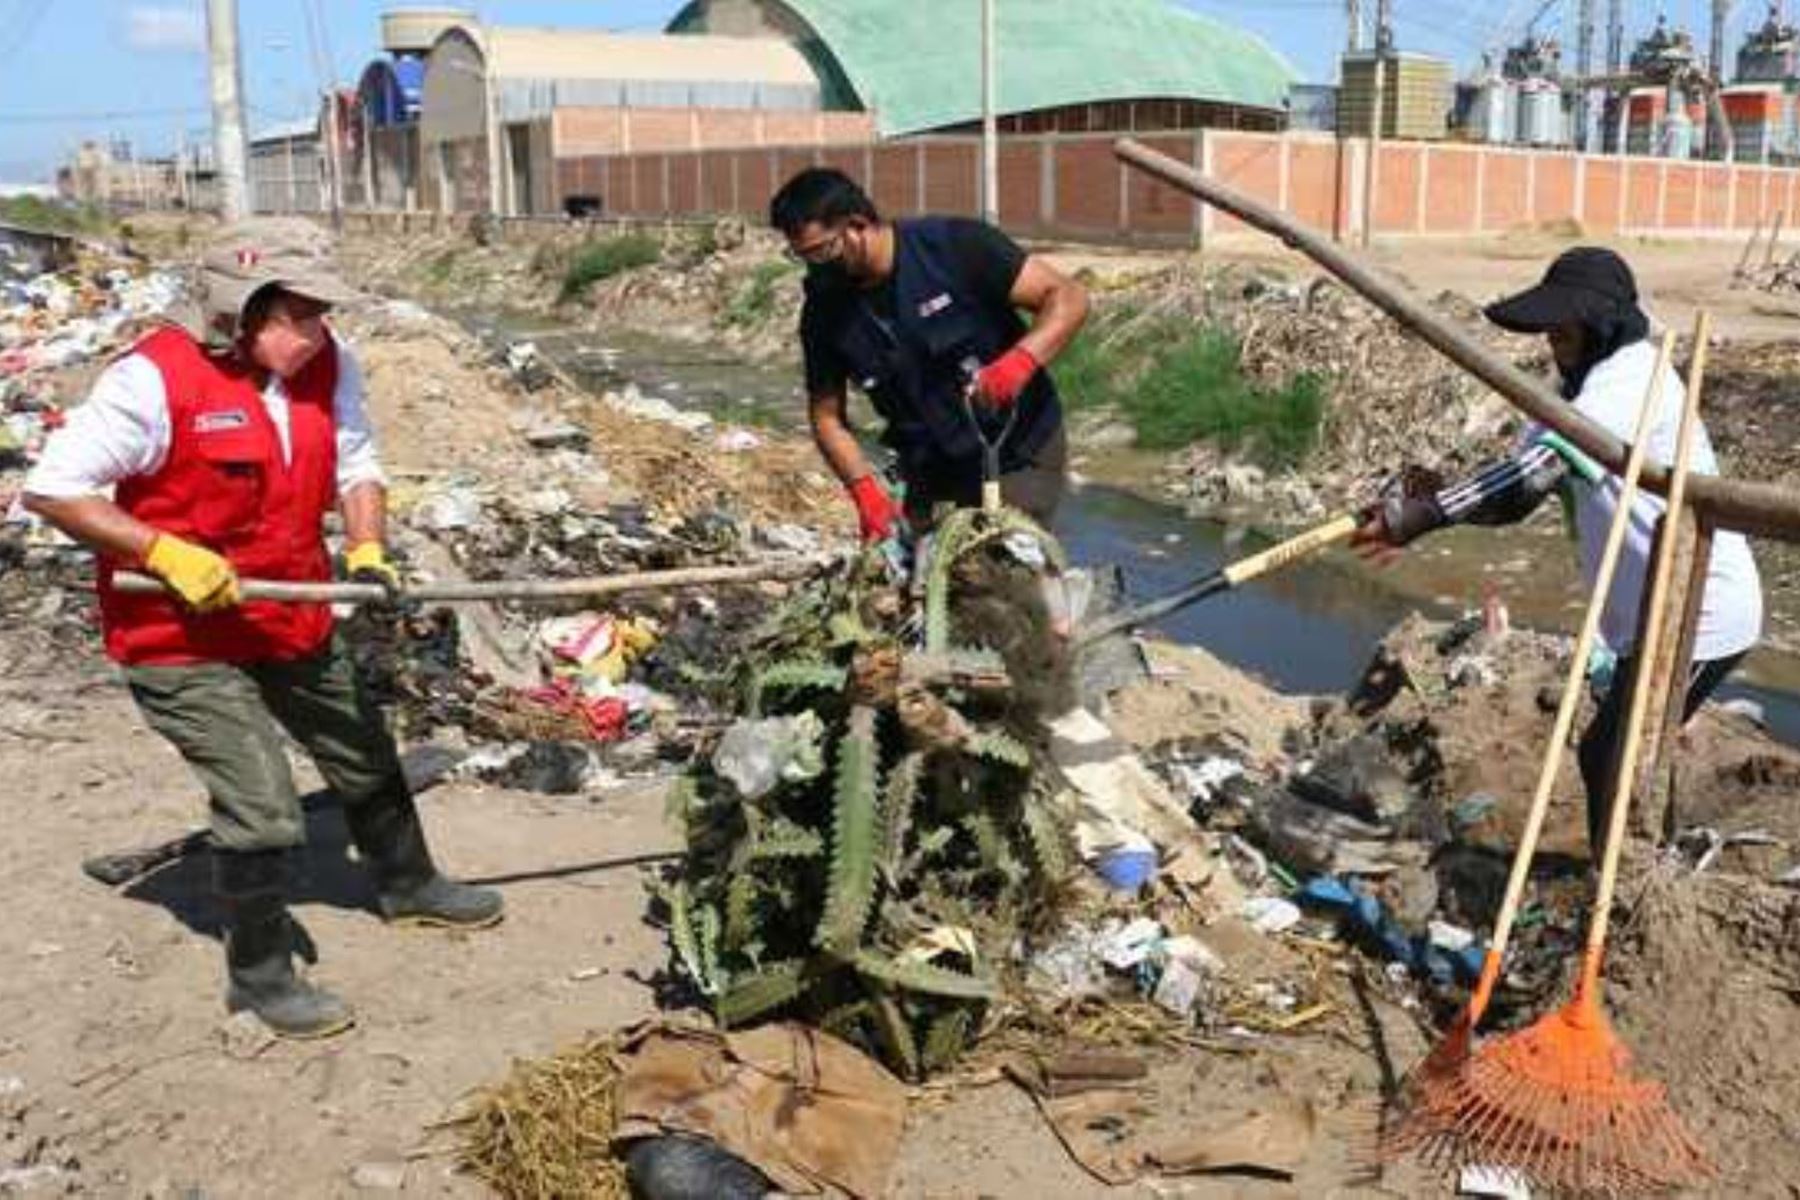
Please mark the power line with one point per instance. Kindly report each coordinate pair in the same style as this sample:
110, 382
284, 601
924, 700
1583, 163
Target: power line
123, 114
24, 27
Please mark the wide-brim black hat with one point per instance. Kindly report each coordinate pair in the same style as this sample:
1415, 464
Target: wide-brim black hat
1581, 284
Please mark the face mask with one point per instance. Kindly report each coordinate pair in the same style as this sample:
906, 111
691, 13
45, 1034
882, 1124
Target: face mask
832, 274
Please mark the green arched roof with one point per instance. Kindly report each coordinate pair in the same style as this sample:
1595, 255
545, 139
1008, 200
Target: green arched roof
917, 63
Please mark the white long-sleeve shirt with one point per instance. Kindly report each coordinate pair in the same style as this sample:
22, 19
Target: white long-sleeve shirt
1731, 609
123, 430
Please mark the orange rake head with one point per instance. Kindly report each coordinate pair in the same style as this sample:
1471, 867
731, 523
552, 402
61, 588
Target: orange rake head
1555, 1101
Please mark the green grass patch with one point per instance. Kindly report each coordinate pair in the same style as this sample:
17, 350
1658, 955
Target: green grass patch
754, 300
605, 258
51, 216
439, 269
1177, 384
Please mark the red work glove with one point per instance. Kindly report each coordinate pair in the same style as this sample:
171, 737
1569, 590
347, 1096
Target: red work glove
876, 511
999, 383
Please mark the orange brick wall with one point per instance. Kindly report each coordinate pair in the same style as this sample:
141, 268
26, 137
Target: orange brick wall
895, 184
1505, 192
1605, 186
1682, 199
1313, 183
1154, 207
1553, 188
1021, 169
684, 182
950, 179
1450, 188
1251, 165
1319, 180
1087, 186
1643, 183
1397, 189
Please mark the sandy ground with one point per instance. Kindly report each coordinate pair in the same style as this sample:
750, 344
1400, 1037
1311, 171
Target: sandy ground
1676, 278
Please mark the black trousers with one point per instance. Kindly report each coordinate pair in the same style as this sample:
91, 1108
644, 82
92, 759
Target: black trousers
1600, 742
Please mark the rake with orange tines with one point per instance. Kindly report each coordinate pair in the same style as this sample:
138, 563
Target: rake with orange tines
1557, 1101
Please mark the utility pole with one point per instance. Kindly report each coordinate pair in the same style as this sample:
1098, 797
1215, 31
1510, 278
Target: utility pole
990, 140
1615, 36
1584, 70
1372, 168
334, 162
228, 108
1716, 51
1353, 20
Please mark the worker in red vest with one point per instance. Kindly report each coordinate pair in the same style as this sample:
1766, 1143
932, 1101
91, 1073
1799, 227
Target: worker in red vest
212, 453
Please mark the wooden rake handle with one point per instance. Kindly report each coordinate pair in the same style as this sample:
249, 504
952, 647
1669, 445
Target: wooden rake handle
1641, 684
1572, 690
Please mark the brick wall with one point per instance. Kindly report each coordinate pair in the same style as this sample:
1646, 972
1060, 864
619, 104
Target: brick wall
1072, 186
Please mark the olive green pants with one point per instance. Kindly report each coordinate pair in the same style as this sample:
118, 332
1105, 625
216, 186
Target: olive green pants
227, 720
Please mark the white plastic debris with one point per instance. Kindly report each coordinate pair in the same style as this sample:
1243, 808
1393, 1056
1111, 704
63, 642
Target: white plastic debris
1202, 780
1122, 945
1446, 936
757, 756
451, 508
1748, 709
1493, 1183
1271, 914
794, 539
1186, 963
736, 441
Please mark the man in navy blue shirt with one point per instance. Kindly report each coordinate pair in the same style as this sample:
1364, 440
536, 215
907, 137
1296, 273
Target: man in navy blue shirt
916, 313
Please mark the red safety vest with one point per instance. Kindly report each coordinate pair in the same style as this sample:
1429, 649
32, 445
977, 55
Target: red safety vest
224, 486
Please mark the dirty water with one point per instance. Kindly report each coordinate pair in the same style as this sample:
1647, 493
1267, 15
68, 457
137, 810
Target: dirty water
1308, 629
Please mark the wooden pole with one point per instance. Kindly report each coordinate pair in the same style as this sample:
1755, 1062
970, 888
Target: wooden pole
499, 589
1774, 237
1743, 267
1657, 649
1756, 508
1662, 787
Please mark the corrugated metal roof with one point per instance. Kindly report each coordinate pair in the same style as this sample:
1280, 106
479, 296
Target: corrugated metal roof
283, 131
516, 53
918, 64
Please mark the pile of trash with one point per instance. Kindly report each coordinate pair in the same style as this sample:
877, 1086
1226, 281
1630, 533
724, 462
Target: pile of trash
870, 840
60, 318
53, 321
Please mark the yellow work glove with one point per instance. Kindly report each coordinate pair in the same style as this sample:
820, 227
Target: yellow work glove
204, 581
367, 562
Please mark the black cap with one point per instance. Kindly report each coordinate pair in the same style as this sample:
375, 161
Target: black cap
1584, 282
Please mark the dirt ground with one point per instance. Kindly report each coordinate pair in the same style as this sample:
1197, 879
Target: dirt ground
1675, 277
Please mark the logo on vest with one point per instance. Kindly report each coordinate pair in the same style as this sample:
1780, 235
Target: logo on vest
935, 305
222, 421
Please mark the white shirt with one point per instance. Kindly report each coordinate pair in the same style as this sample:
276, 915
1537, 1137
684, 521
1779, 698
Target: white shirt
1731, 612
123, 431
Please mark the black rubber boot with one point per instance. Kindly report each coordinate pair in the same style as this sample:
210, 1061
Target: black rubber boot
261, 939
409, 889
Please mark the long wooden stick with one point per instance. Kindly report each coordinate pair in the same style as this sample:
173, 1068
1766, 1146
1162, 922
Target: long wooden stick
1573, 690
1625, 779
1231, 576
499, 589
1756, 508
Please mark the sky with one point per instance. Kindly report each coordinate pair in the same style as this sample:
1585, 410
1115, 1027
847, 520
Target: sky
97, 69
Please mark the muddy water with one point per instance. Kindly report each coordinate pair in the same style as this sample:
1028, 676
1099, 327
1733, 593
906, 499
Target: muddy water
1308, 629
